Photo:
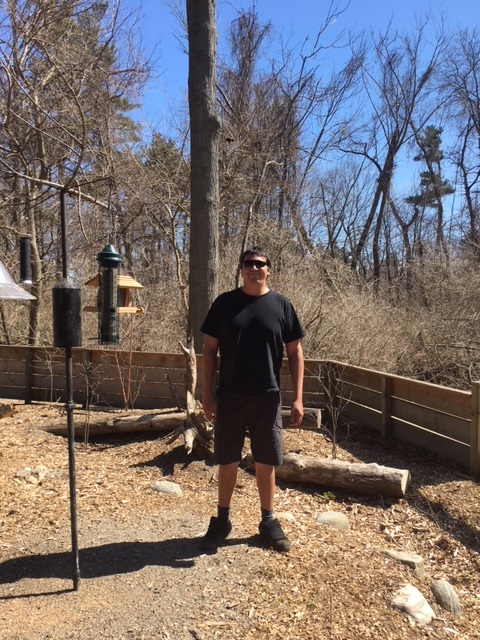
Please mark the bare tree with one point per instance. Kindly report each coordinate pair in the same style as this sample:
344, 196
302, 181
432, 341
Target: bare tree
397, 84
64, 93
461, 86
268, 115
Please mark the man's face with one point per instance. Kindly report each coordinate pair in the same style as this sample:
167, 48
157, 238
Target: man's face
255, 269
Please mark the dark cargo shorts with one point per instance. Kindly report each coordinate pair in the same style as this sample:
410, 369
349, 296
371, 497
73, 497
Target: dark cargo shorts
260, 413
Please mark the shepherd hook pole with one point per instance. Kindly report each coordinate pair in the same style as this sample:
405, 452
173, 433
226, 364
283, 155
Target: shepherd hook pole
69, 407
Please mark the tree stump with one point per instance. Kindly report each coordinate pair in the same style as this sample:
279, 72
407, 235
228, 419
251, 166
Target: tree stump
197, 431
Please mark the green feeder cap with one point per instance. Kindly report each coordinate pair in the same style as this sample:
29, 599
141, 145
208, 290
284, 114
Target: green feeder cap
109, 257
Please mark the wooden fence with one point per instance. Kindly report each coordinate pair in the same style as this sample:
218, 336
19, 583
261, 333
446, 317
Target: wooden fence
111, 376
443, 420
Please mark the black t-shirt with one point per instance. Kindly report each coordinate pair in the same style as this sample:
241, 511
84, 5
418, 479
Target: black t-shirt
251, 331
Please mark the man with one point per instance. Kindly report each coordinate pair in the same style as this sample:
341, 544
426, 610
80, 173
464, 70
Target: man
249, 327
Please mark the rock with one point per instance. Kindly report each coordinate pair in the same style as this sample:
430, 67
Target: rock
334, 519
33, 476
446, 596
285, 515
413, 560
410, 600
40, 472
24, 473
7, 410
164, 486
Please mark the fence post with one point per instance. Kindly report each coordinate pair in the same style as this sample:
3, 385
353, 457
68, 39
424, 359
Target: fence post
28, 375
386, 407
329, 391
87, 379
475, 431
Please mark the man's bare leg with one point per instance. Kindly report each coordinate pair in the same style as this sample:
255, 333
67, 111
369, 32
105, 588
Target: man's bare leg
227, 478
271, 532
220, 525
265, 476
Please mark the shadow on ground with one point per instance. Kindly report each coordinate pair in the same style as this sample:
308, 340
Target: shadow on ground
108, 559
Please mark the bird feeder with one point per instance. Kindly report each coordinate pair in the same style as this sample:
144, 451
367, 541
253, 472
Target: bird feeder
9, 290
25, 260
67, 319
114, 295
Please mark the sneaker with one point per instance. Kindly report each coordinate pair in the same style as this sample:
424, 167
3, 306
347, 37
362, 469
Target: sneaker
216, 534
271, 535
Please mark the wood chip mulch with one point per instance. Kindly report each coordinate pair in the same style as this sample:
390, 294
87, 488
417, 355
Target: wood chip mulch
143, 577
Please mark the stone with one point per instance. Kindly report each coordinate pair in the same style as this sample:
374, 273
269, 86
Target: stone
33, 476
410, 600
412, 560
7, 410
164, 486
24, 473
334, 519
446, 596
40, 472
286, 515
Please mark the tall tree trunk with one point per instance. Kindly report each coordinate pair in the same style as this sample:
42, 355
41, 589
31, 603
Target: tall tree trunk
382, 190
409, 253
377, 262
204, 146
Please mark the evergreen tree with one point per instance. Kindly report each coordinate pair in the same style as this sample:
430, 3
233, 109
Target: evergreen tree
433, 187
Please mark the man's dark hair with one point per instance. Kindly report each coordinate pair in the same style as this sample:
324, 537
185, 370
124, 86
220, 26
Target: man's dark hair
255, 251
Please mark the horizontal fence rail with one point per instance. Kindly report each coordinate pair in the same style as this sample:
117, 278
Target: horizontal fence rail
443, 420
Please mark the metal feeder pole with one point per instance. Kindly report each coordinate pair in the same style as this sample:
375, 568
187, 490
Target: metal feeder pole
69, 407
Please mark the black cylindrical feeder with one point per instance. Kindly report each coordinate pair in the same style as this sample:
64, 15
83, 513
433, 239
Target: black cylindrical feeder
67, 319
25, 260
109, 261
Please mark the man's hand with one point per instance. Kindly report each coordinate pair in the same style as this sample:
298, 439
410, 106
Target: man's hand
296, 415
209, 408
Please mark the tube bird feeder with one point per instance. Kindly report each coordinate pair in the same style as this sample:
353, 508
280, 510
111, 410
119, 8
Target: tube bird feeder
114, 295
109, 262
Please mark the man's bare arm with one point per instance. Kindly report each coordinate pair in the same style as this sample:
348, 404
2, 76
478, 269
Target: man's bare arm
209, 367
295, 362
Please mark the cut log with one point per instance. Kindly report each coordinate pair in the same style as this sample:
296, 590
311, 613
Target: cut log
357, 477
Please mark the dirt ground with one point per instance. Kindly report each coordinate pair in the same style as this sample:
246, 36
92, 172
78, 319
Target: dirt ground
142, 575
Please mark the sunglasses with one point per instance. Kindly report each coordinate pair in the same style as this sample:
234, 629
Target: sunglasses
248, 264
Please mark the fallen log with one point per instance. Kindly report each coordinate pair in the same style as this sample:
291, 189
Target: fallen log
167, 420
357, 477
155, 422
88, 425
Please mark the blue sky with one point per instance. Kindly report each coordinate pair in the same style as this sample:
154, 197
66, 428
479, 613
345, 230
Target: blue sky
294, 20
